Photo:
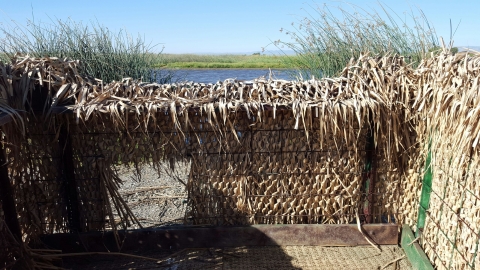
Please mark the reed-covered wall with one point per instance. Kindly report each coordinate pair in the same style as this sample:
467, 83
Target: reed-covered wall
320, 151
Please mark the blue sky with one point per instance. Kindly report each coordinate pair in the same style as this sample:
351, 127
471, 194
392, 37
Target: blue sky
225, 26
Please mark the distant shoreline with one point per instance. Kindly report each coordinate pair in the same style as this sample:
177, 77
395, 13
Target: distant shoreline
174, 68
229, 61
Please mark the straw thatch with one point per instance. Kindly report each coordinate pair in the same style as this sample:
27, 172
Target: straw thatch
18, 255
448, 102
330, 113
269, 152
308, 133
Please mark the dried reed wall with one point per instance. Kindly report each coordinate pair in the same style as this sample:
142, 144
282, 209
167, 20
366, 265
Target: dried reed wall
317, 151
265, 172
449, 104
34, 172
276, 174
271, 152
10, 248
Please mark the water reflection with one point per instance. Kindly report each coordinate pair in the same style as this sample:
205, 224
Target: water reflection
214, 75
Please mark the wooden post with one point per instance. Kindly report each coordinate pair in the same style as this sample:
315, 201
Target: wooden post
416, 256
8, 202
68, 175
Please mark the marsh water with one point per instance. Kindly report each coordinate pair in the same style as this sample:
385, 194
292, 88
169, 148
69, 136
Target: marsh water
215, 75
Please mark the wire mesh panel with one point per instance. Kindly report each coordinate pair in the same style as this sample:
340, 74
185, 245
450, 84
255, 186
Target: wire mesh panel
275, 173
35, 170
452, 226
448, 224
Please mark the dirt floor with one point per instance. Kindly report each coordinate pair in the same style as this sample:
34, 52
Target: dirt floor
156, 200
277, 258
161, 200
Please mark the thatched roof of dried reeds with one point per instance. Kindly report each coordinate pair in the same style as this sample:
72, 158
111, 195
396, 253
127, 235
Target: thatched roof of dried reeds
448, 90
382, 93
364, 87
447, 101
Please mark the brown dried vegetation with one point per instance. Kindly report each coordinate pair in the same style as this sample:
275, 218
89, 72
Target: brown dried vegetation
269, 152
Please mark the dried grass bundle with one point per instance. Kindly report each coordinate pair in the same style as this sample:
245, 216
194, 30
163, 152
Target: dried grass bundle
233, 118
269, 152
447, 101
18, 255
